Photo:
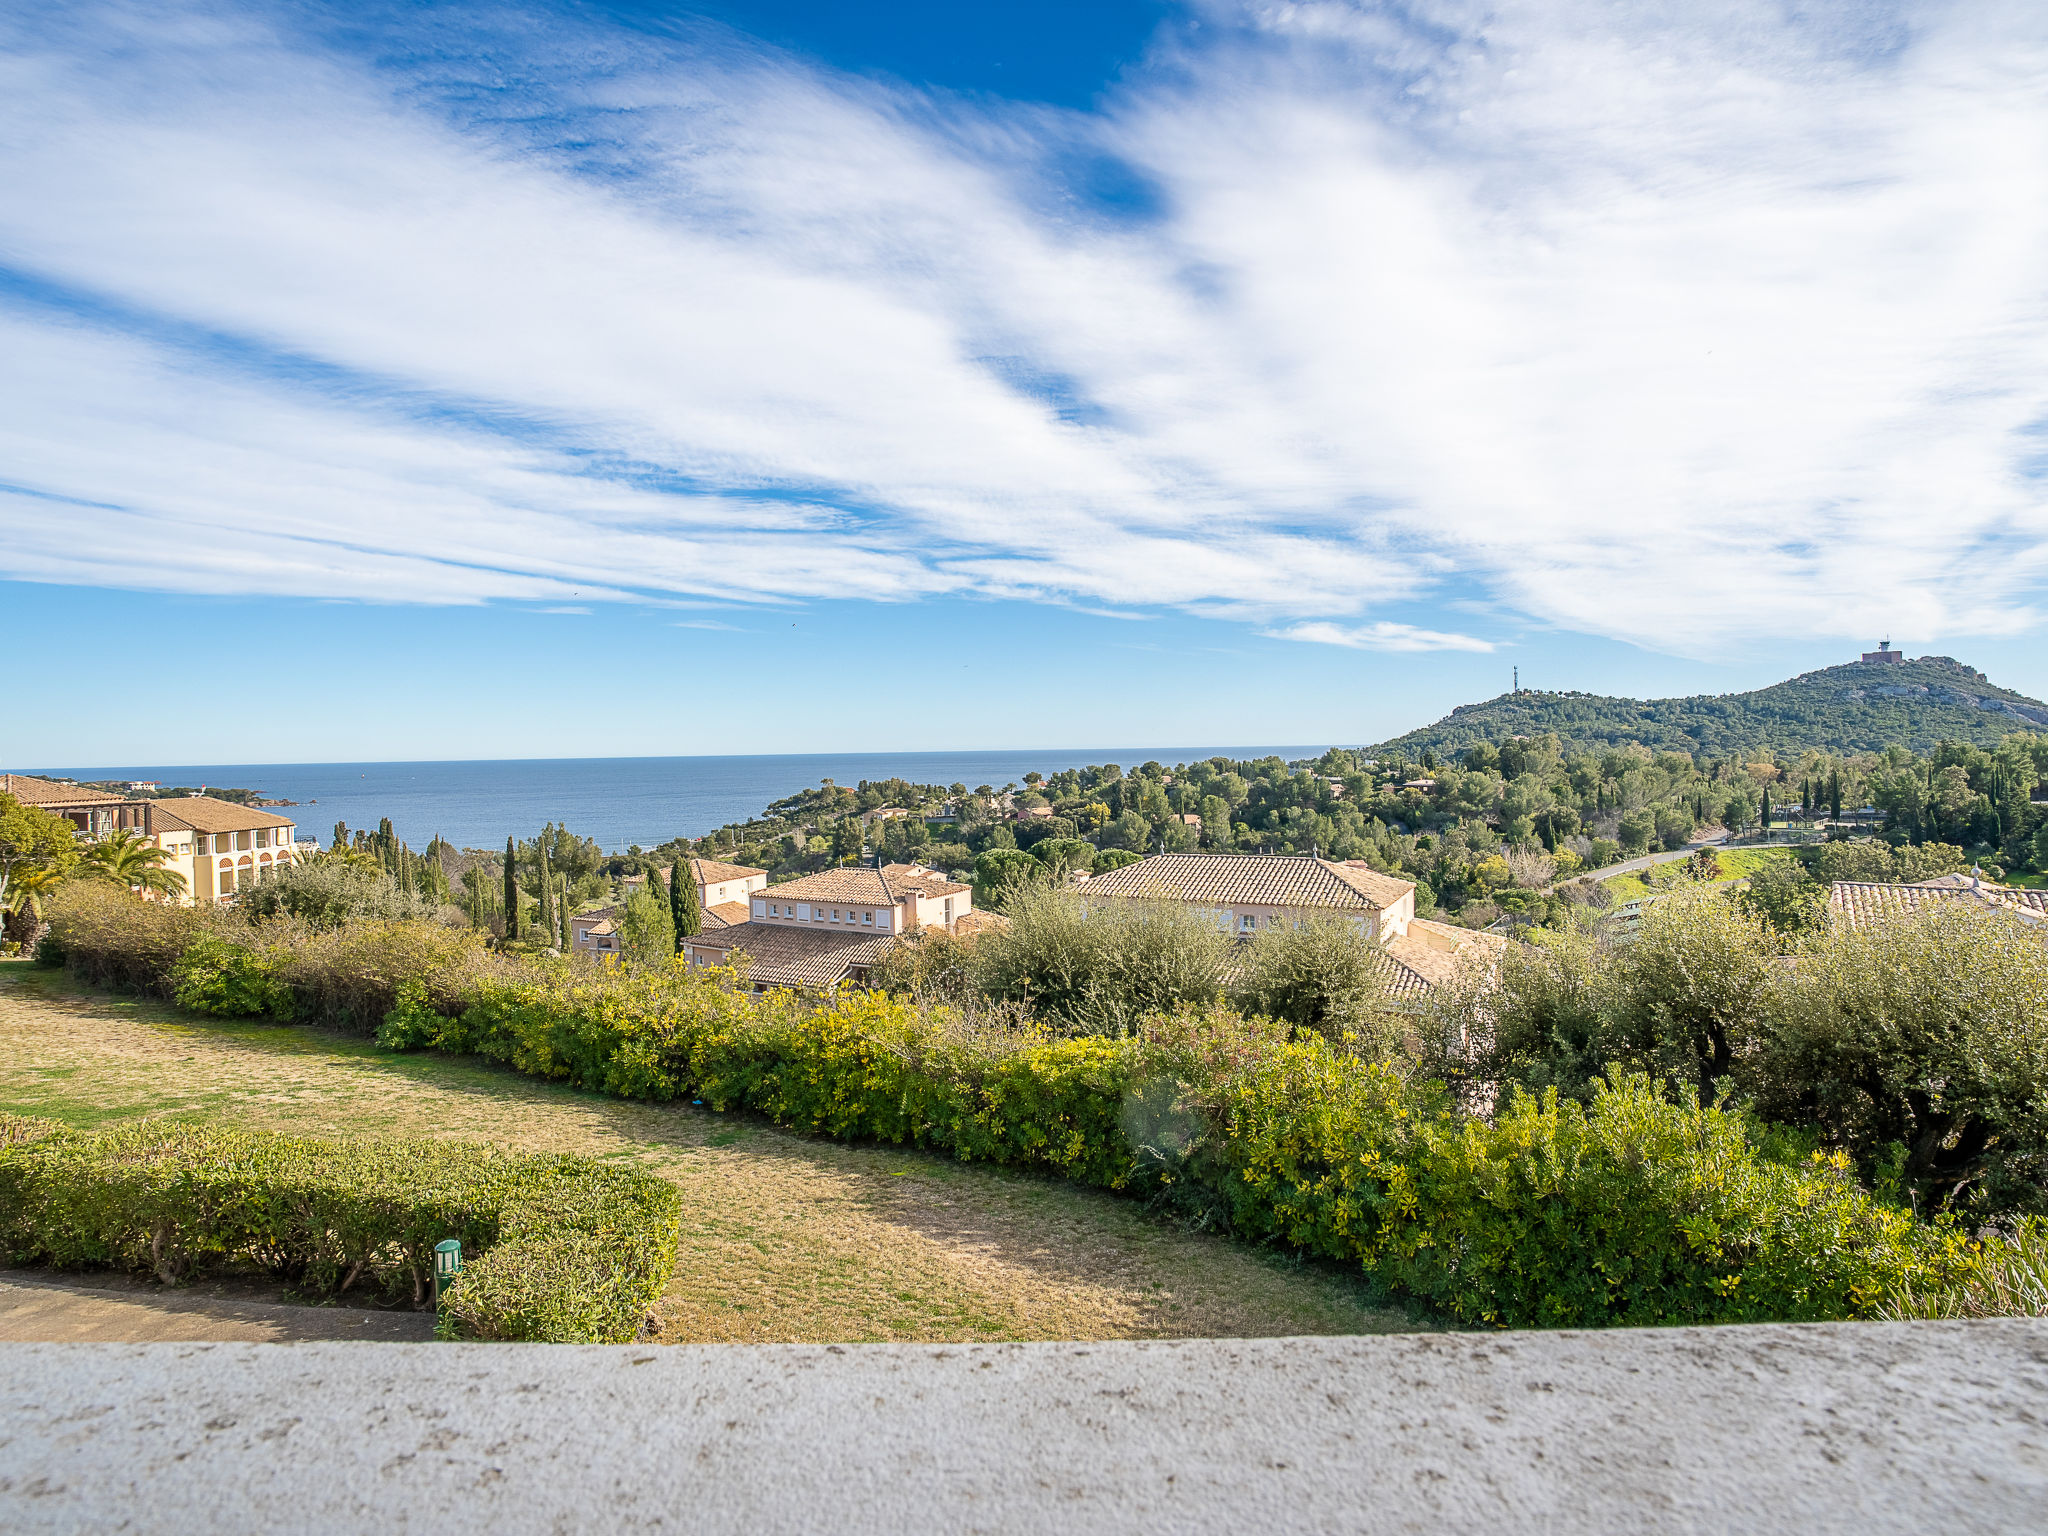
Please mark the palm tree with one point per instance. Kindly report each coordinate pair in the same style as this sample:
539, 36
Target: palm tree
130, 860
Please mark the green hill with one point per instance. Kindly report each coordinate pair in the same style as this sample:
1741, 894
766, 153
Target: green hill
1860, 707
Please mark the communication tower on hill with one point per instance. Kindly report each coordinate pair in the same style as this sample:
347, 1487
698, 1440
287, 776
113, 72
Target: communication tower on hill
1884, 653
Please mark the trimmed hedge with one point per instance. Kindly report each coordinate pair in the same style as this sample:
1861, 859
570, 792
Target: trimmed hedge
1626, 1210
1633, 1210
556, 1249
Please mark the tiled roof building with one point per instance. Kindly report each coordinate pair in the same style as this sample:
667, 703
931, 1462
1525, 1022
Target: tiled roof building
215, 846
818, 930
1248, 894
1858, 902
1258, 891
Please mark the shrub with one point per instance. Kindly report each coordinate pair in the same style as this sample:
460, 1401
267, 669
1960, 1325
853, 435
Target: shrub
331, 891
349, 978
1323, 977
1879, 863
228, 981
1099, 968
1632, 1210
1682, 999
1921, 1042
115, 939
556, 1249
2005, 1275
1627, 1207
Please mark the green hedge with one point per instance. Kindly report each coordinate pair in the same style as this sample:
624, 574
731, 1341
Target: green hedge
1633, 1210
556, 1249
1628, 1209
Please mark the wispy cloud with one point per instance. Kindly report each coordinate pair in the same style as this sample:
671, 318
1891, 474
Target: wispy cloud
705, 624
1669, 323
1382, 636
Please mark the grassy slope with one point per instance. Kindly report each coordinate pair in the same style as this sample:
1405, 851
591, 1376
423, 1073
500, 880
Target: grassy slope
788, 1239
1736, 864
1814, 710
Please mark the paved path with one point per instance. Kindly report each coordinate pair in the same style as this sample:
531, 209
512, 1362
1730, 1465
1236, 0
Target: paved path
1631, 866
36, 1307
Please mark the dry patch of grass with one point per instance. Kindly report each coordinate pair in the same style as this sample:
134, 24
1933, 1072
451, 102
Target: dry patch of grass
786, 1239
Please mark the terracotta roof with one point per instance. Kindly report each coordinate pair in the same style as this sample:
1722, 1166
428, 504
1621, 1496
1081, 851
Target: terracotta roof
1254, 880
726, 914
926, 882
712, 872
794, 957
1856, 902
968, 924
203, 813
883, 887
858, 885
1429, 954
46, 792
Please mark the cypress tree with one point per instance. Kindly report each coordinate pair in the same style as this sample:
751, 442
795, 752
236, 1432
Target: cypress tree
544, 887
511, 893
1835, 794
1767, 813
683, 907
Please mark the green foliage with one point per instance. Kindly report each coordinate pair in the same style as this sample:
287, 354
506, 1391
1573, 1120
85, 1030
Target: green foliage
1115, 858
1325, 977
128, 859
112, 938
228, 981
684, 909
1635, 831
1628, 1203
2004, 1275
1882, 864
1785, 896
329, 892
646, 930
1629, 1211
1683, 1000
31, 839
1100, 968
1922, 1041
556, 1249
1837, 709
999, 873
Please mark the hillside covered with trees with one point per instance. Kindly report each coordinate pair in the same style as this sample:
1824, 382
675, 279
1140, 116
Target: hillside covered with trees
1859, 707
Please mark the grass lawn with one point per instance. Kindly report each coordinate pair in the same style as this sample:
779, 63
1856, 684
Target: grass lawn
785, 1239
1736, 864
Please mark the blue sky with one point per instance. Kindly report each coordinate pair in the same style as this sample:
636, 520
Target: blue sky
509, 380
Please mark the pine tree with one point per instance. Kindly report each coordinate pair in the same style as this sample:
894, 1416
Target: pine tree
511, 893
683, 907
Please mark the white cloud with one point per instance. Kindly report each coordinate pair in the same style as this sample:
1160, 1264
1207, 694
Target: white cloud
1381, 636
1664, 324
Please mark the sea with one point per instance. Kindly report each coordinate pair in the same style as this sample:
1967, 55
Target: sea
619, 802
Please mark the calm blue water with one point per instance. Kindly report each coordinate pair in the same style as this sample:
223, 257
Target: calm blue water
618, 801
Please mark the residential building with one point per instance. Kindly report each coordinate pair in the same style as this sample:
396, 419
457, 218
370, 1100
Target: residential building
1247, 894
818, 931
217, 846
1856, 903
722, 892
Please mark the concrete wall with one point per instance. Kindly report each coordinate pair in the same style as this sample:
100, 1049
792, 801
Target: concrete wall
1857, 1428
